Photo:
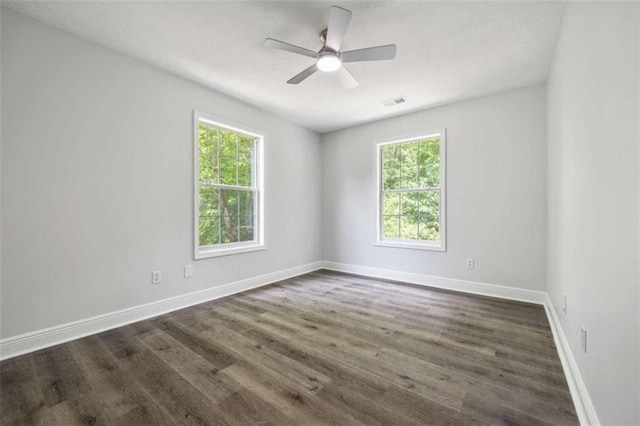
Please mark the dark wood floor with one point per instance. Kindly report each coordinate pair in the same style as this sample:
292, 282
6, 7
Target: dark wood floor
323, 348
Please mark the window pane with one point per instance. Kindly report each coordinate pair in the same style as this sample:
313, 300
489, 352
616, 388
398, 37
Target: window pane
209, 202
391, 178
429, 226
229, 229
430, 152
409, 153
246, 228
391, 204
429, 230
208, 169
409, 227
246, 146
229, 205
208, 160
208, 137
409, 202
209, 216
229, 200
390, 226
209, 227
429, 176
246, 203
391, 157
409, 177
430, 163
430, 203
228, 157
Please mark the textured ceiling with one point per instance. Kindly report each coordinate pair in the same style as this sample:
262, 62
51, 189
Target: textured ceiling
447, 51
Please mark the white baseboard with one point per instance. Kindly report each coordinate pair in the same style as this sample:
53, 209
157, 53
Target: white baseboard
29, 342
502, 292
581, 399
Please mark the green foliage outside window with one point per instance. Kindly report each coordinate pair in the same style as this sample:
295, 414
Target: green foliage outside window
410, 196
226, 185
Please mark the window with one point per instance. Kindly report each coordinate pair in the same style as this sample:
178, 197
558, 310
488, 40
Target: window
229, 196
411, 193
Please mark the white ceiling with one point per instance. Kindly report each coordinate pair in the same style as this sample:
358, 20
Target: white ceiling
447, 51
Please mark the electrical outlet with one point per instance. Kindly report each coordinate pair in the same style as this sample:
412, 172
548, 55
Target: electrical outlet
156, 277
471, 263
188, 271
564, 302
583, 339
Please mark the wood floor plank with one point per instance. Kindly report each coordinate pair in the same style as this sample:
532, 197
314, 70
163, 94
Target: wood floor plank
495, 413
114, 388
185, 403
201, 374
323, 348
143, 415
21, 399
189, 335
301, 407
484, 368
525, 358
366, 384
263, 357
547, 407
82, 410
246, 408
59, 375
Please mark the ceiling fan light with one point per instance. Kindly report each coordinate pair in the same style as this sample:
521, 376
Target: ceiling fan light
328, 63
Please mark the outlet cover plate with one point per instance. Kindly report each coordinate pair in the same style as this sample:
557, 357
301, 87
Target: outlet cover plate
188, 271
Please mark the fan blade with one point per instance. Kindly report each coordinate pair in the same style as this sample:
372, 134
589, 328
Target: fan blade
345, 77
338, 22
378, 53
277, 44
304, 74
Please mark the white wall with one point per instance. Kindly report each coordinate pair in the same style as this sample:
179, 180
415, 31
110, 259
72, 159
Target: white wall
496, 204
593, 199
97, 182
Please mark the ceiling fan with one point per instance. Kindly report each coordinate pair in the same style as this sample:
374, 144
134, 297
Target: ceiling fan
329, 58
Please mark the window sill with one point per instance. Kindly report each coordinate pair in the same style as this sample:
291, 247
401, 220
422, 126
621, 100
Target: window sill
207, 253
410, 245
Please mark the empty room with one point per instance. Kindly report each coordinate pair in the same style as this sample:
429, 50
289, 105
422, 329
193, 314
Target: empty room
314, 212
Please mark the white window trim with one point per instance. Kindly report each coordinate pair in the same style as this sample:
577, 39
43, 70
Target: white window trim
217, 250
405, 243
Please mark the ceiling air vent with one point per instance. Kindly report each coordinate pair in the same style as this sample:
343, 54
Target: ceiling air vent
394, 101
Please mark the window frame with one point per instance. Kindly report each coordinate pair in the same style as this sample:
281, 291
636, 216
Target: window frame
225, 249
380, 241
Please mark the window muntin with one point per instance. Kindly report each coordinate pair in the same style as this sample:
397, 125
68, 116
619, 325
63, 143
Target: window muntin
411, 196
229, 196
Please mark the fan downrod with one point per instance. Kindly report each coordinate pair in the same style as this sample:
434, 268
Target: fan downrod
323, 36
